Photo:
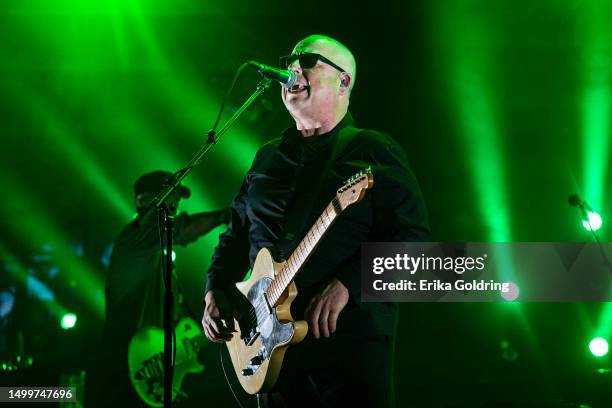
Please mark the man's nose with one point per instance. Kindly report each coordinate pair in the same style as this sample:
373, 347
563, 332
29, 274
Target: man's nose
296, 68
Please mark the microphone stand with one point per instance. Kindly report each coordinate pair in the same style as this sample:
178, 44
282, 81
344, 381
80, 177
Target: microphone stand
165, 220
582, 205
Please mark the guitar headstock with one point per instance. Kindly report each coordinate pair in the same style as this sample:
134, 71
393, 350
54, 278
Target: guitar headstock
354, 189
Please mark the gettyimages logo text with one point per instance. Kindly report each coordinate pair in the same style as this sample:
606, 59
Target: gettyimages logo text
412, 264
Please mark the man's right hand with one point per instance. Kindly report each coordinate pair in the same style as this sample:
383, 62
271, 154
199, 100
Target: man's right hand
218, 320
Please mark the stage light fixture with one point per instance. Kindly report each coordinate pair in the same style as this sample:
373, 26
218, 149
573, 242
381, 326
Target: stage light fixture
68, 321
599, 347
594, 221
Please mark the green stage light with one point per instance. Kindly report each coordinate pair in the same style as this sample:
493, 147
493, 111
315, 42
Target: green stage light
594, 222
594, 32
599, 347
68, 321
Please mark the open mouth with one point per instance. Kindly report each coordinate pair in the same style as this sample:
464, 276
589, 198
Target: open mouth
298, 88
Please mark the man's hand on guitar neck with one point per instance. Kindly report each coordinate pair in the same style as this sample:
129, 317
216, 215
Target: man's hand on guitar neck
325, 307
218, 319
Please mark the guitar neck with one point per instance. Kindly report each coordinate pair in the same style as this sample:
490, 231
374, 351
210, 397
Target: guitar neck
302, 252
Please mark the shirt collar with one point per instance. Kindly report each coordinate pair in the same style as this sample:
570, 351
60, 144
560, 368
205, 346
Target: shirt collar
292, 134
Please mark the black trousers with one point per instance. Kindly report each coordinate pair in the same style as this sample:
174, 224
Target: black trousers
336, 372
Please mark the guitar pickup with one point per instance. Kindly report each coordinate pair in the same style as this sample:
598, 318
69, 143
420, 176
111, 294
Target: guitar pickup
254, 364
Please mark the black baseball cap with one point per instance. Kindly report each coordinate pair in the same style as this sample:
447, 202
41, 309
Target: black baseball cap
154, 181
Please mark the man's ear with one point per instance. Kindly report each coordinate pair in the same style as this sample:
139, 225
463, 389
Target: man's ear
345, 82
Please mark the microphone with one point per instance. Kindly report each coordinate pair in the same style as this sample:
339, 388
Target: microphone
575, 201
286, 78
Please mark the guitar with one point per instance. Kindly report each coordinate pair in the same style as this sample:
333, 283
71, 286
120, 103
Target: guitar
146, 358
267, 329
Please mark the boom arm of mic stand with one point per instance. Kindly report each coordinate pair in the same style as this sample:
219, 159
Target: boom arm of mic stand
213, 138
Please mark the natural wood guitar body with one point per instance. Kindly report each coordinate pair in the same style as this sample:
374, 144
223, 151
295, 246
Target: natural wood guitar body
267, 373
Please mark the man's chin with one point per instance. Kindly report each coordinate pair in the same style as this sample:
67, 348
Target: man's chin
295, 104
296, 98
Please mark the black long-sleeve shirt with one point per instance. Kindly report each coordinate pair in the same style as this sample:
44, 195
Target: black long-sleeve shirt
282, 175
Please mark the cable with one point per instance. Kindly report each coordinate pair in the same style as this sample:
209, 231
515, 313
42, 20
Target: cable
227, 94
212, 132
226, 378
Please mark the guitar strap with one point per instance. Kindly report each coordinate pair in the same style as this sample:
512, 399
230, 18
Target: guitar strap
304, 199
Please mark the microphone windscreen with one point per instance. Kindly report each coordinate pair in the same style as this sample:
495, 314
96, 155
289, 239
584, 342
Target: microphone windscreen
574, 200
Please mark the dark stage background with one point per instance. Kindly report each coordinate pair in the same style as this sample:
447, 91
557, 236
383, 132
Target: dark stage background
502, 107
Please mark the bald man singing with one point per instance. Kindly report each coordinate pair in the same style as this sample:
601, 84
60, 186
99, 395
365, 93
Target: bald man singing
347, 357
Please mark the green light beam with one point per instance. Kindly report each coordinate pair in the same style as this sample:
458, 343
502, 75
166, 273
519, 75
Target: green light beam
463, 40
596, 33
33, 226
186, 96
65, 142
21, 275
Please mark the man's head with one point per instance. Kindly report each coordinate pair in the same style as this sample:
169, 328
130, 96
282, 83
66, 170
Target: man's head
324, 87
148, 185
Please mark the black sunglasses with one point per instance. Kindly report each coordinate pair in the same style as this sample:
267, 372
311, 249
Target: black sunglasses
307, 60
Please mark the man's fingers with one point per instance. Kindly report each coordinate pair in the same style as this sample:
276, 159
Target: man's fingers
323, 310
215, 336
218, 329
323, 317
212, 326
314, 320
229, 322
210, 335
332, 319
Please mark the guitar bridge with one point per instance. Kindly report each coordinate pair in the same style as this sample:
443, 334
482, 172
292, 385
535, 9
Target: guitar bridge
248, 330
250, 338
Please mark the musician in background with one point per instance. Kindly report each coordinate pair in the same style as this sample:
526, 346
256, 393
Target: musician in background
347, 358
134, 287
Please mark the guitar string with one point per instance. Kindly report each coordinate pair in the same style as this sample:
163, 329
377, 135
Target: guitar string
261, 308
301, 249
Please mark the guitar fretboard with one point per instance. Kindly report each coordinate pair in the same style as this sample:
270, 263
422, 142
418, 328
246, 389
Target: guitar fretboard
302, 252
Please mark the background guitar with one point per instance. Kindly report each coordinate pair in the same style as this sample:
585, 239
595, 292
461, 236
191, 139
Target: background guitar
145, 360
